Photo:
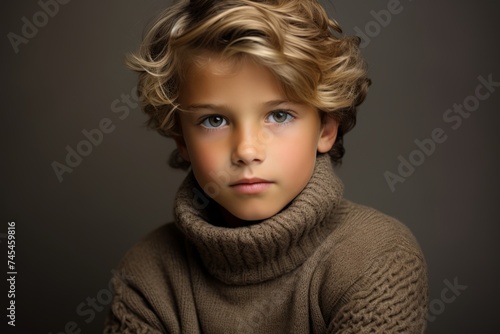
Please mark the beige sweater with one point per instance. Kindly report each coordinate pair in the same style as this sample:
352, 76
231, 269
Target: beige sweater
321, 265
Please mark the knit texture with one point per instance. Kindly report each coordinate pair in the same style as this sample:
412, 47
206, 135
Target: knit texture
321, 265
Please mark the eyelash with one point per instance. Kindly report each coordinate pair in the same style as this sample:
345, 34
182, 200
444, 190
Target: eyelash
289, 119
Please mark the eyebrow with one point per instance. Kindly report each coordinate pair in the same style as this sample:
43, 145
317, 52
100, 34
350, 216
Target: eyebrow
216, 107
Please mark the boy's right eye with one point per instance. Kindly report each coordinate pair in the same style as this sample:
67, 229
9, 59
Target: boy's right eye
214, 121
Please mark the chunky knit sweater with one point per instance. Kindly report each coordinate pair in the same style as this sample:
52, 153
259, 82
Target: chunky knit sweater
321, 265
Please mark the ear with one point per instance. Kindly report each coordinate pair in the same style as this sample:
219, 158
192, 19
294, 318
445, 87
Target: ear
181, 147
328, 134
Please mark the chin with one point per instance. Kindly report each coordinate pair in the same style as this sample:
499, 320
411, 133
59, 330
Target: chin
253, 216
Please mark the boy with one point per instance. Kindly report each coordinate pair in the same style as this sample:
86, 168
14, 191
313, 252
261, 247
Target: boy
257, 96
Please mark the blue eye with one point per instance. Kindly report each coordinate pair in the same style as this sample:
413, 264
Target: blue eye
280, 117
213, 122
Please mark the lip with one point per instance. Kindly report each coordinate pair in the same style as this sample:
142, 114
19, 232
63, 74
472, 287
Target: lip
250, 181
251, 185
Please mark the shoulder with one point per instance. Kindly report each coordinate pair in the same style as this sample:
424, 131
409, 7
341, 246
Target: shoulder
375, 272
364, 245
148, 282
368, 232
160, 248
371, 274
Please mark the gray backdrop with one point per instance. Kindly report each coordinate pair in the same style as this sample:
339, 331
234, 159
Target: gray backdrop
64, 76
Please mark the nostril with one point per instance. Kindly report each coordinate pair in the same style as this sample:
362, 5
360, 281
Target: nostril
247, 153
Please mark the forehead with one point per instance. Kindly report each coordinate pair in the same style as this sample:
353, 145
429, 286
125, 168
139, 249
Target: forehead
215, 78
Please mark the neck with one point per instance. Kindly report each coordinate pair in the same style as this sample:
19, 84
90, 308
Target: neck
219, 216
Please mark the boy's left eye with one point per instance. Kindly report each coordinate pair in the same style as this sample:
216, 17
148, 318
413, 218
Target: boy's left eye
280, 116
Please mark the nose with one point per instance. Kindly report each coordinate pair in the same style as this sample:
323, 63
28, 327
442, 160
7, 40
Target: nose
248, 146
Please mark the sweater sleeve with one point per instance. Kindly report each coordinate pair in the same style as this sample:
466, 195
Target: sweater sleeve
129, 314
390, 297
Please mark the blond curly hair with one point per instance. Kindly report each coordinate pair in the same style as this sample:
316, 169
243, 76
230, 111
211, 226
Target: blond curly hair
294, 39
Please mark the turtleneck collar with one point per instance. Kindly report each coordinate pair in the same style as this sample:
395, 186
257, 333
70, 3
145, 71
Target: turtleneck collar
273, 247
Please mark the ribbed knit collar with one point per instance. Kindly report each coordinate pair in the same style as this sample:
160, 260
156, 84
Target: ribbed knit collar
271, 248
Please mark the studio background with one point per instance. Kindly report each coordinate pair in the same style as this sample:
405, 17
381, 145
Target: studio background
69, 77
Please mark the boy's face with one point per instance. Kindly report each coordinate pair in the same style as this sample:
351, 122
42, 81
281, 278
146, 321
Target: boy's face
250, 149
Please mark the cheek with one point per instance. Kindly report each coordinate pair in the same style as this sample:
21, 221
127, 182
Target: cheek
296, 157
205, 159
297, 145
